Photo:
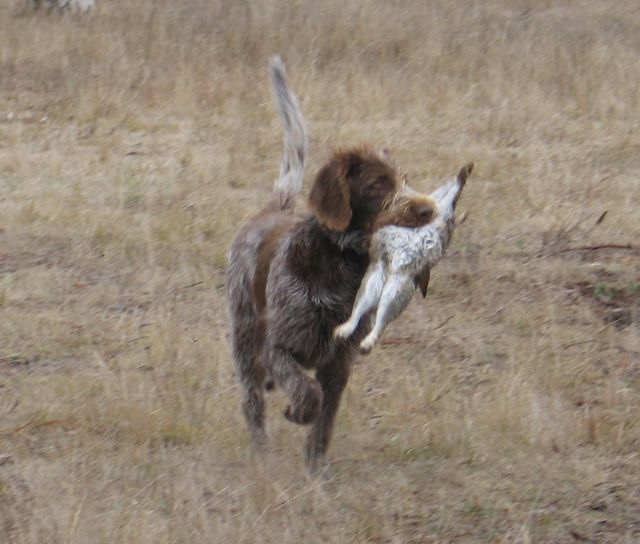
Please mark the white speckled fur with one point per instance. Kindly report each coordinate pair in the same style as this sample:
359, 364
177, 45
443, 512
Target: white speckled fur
398, 255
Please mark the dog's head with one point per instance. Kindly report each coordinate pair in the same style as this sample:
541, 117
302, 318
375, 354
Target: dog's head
360, 188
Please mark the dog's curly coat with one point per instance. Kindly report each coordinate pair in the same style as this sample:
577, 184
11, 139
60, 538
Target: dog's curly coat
292, 279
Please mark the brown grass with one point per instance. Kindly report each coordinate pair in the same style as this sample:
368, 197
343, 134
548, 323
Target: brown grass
134, 141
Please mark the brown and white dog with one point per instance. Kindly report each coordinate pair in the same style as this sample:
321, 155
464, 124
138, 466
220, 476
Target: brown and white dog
293, 278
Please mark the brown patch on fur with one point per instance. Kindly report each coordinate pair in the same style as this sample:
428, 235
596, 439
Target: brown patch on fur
330, 195
266, 250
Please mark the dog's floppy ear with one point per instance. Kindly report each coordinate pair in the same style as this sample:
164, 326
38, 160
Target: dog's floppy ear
330, 197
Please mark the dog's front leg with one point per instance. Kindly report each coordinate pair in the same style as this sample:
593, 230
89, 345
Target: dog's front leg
333, 378
305, 393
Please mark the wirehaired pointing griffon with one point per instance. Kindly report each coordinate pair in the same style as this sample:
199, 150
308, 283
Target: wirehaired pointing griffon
293, 278
401, 261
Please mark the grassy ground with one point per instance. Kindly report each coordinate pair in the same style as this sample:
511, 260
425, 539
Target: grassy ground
503, 408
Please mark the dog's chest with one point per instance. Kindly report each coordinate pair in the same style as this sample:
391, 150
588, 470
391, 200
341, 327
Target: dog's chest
332, 283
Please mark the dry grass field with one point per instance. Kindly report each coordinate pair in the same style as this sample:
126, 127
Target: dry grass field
133, 141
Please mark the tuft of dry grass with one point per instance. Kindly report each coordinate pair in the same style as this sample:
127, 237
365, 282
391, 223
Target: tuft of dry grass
503, 408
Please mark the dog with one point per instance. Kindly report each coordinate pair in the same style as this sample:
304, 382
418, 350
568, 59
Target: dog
401, 261
292, 278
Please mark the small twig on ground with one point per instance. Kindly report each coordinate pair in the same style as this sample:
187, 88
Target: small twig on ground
398, 340
5, 459
35, 425
132, 340
443, 323
595, 248
602, 216
572, 344
191, 285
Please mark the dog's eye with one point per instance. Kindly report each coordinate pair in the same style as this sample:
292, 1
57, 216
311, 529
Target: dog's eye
379, 184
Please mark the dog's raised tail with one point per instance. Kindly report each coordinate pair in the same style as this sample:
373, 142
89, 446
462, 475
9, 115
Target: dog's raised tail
289, 184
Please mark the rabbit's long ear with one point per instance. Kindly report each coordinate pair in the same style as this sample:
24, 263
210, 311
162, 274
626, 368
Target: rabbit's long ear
461, 180
442, 191
422, 280
465, 173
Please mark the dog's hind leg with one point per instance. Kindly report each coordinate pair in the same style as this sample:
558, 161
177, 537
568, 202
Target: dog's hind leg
251, 375
247, 339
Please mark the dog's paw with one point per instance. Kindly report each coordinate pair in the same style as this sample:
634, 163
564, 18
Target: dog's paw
302, 416
309, 408
344, 331
259, 440
320, 470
